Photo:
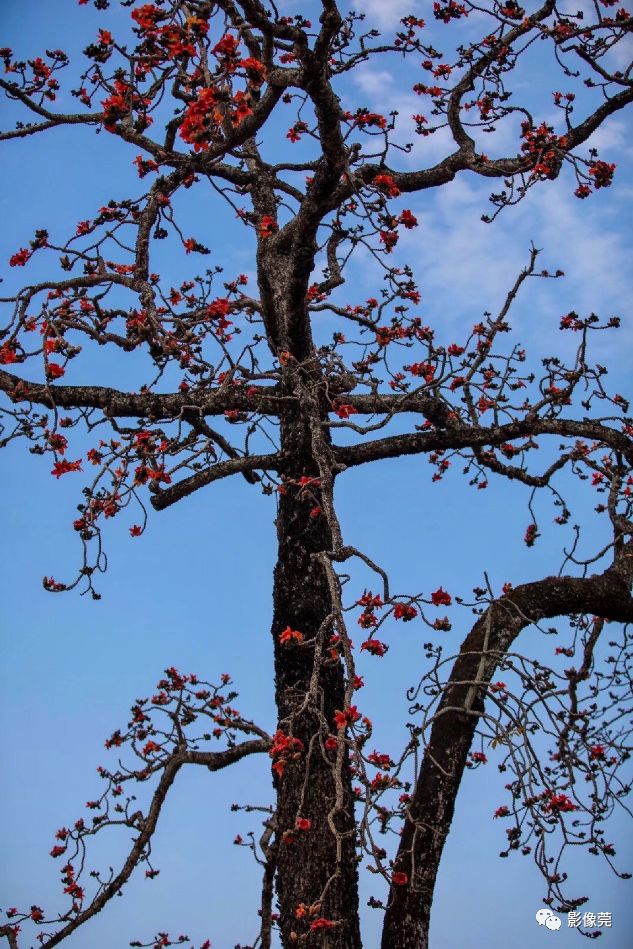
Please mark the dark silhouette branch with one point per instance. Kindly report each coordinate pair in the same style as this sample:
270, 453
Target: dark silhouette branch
429, 815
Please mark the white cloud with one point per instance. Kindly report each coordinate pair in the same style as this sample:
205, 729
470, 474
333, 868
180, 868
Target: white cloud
375, 82
612, 136
466, 267
385, 13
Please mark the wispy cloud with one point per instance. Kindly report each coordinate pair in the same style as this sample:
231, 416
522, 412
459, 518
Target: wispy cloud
465, 266
386, 13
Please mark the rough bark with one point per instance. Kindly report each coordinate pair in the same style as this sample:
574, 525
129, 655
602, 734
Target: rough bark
320, 864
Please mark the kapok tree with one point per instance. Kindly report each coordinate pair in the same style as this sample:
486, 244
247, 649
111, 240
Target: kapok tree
242, 381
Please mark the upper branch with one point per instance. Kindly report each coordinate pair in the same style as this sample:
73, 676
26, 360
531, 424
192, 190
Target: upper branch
465, 436
150, 405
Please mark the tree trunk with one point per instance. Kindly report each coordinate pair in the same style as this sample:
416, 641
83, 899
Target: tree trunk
317, 865
408, 915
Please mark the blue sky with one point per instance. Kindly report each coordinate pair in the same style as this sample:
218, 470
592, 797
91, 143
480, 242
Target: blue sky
195, 590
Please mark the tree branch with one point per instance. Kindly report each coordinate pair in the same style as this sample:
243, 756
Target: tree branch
215, 761
224, 469
463, 436
430, 813
117, 404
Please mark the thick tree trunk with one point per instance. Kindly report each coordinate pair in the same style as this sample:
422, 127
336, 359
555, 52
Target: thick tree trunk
430, 814
408, 915
317, 865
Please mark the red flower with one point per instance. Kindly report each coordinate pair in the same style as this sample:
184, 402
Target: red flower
364, 118
602, 173
267, 226
344, 411
146, 16
399, 878
64, 466
348, 717
408, 219
374, 647
441, 598
58, 442
389, 239
383, 762
501, 811
54, 371
74, 890
36, 914
7, 354
227, 46
199, 119
303, 823
242, 109
135, 530
294, 133
322, 923
21, 258
369, 600
49, 583
530, 535
287, 635
597, 751
405, 612
556, 803
255, 70
425, 370
284, 745
387, 184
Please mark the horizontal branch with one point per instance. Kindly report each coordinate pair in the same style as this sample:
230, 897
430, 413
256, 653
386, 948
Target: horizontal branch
224, 469
465, 436
150, 405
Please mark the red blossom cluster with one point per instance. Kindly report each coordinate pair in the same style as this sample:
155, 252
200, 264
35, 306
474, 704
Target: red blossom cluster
543, 148
289, 635
404, 611
348, 717
370, 603
284, 748
558, 803
121, 103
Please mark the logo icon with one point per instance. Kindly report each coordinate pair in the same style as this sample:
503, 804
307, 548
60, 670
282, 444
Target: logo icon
545, 917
